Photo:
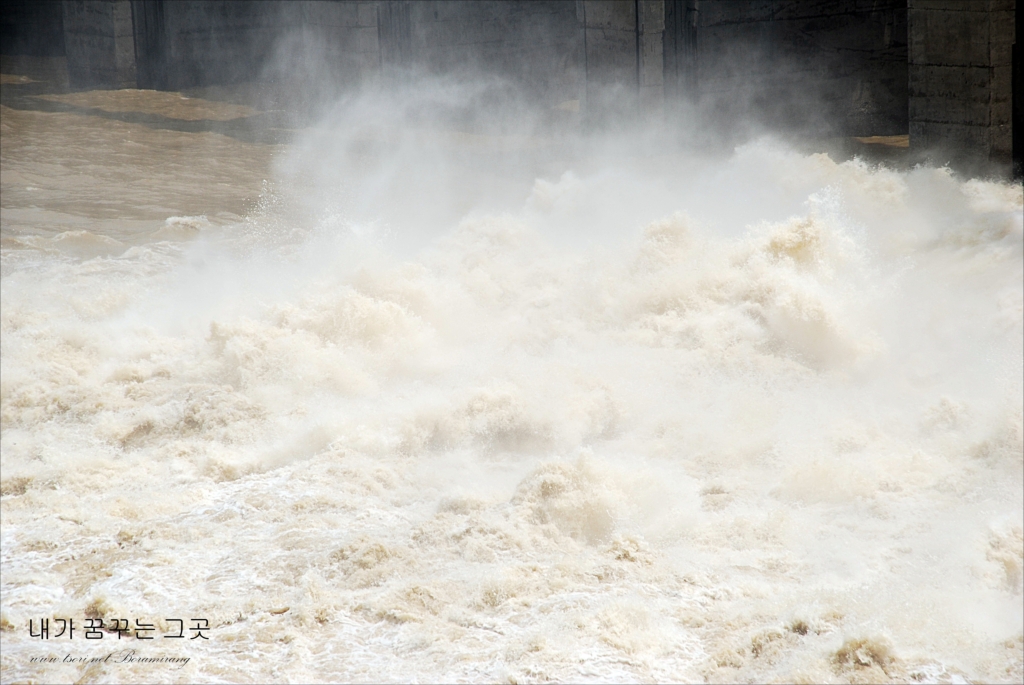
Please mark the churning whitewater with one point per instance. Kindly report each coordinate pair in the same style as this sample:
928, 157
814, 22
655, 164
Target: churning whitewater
662, 418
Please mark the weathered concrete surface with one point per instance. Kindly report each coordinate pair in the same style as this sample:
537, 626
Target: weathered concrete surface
341, 38
624, 59
960, 92
610, 45
99, 41
1017, 106
183, 44
682, 20
651, 54
830, 65
535, 43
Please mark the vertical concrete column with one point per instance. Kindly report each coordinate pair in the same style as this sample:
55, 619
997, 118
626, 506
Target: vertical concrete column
682, 19
1017, 105
99, 40
125, 75
150, 44
610, 41
1002, 36
394, 37
959, 77
651, 41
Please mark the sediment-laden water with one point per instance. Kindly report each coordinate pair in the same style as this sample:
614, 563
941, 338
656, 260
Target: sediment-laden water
378, 410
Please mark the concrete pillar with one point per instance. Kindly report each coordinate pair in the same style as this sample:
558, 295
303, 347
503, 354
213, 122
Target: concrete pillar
610, 45
1018, 102
960, 78
150, 44
651, 68
680, 49
394, 37
99, 41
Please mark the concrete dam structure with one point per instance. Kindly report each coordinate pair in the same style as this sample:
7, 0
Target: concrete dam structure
939, 70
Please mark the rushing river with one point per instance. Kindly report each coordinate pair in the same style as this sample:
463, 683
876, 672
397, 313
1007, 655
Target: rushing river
396, 404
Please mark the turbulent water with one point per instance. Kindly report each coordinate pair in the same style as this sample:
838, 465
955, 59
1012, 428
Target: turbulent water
380, 408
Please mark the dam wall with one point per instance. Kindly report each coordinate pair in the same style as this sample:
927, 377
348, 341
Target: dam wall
940, 70
838, 65
960, 75
99, 42
186, 44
